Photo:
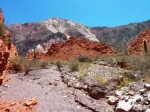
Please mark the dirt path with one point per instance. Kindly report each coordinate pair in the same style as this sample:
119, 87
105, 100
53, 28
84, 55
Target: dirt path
45, 85
51, 93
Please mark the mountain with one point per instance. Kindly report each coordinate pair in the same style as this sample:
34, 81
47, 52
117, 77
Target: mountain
29, 35
119, 36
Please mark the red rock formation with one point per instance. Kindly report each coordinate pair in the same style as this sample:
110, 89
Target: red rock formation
73, 48
15, 106
137, 46
7, 50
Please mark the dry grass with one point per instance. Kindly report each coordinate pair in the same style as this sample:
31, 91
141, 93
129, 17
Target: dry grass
101, 80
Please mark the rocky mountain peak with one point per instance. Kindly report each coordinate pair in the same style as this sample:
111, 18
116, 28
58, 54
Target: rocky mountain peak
69, 27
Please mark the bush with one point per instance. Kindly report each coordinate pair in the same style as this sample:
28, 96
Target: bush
43, 64
83, 58
2, 29
74, 65
16, 64
59, 64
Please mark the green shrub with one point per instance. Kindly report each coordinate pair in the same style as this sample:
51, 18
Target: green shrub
16, 64
74, 65
44, 64
2, 29
83, 58
59, 64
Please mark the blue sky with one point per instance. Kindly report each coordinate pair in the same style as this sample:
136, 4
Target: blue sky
88, 12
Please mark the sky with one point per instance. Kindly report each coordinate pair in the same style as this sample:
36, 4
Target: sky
89, 12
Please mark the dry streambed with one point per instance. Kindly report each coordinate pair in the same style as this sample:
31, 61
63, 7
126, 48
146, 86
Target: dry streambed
61, 90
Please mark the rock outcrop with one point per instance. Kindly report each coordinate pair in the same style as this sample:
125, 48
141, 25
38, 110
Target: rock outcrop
7, 49
72, 48
137, 47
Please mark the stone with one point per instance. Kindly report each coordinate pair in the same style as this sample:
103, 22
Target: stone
118, 93
142, 91
112, 100
138, 98
147, 86
131, 93
127, 98
124, 106
148, 95
30, 102
97, 92
147, 110
139, 108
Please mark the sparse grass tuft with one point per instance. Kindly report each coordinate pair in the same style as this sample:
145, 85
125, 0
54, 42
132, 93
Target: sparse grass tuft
81, 74
74, 65
44, 64
59, 64
16, 64
101, 80
20, 64
83, 58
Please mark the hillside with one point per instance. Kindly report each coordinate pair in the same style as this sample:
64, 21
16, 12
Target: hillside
119, 36
70, 49
29, 35
137, 46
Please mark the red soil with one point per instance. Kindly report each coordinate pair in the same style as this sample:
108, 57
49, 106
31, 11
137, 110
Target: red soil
13, 106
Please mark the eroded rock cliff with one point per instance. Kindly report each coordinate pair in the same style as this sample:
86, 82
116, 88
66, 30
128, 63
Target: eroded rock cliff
7, 49
137, 47
72, 48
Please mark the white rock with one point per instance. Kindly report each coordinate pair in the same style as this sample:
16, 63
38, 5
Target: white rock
147, 110
127, 98
142, 90
131, 93
124, 106
112, 100
147, 86
148, 95
118, 93
138, 98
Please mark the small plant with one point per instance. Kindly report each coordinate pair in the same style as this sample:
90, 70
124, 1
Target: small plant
2, 29
83, 58
81, 74
27, 65
74, 65
101, 80
16, 64
59, 64
43, 64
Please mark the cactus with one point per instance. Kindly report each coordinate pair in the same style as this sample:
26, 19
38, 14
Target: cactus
34, 55
145, 46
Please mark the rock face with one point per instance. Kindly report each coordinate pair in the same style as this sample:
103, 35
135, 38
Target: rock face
7, 50
137, 47
72, 48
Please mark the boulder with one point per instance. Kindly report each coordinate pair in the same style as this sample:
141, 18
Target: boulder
124, 106
97, 92
147, 86
30, 102
112, 100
